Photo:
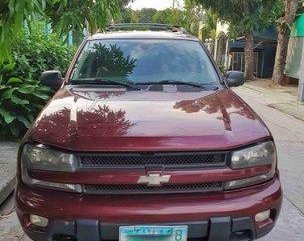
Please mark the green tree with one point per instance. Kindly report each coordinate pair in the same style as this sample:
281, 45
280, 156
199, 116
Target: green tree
245, 17
76, 15
284, 23
128, 16
193, 14
110, 61
145, 15
210, 21
65, 16
122, 4
187, 18
169, 16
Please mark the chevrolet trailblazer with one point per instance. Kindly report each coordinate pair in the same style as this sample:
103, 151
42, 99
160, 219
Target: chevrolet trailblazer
145, 140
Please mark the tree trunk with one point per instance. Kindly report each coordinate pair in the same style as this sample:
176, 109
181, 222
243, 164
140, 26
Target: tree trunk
249, 57
280, 59
291, 7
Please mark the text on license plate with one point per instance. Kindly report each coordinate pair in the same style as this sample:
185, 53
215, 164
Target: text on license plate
153, 233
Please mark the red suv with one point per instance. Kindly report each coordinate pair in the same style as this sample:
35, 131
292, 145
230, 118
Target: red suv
144, 140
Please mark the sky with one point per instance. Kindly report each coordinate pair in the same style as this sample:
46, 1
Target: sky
158, 4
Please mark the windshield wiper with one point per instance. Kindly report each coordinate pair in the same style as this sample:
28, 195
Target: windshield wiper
105, 82
179, 82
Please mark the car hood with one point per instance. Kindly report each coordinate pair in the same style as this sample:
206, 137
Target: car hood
97, 119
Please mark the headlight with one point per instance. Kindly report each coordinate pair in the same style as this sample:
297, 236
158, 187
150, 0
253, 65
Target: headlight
259, 155
38, 157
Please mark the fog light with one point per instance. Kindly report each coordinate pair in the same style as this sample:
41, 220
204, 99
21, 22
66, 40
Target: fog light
249, 181
262, 216
39, 221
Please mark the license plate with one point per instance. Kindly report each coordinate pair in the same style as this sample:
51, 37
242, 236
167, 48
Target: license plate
153, 233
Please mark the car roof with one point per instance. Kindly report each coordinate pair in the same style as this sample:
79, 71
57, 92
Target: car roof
143, 35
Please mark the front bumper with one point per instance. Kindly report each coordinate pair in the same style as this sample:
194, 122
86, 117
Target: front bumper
213, 217
216, 229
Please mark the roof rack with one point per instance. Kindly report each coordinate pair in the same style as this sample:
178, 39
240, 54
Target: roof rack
145, 26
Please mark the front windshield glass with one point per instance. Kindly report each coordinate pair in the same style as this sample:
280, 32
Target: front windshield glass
145, 60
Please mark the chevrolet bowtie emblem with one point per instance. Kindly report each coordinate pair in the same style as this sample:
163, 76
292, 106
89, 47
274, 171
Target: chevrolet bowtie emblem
154, 179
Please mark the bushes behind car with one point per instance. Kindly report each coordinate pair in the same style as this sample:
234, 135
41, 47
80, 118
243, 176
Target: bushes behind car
21, 94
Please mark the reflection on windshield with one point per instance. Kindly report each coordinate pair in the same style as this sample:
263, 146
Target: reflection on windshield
145, 60
104, 61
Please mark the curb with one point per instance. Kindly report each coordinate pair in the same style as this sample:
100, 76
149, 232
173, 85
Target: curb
8, 162
7, 189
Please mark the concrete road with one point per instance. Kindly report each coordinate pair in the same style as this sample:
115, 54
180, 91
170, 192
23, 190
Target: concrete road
289, 136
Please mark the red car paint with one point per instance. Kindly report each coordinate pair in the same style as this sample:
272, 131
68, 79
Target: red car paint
84, 119
189, 121
134, 209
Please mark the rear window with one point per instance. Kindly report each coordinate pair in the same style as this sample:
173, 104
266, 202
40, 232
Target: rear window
145, 60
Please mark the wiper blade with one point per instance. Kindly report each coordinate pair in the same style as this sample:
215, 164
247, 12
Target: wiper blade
105, 82
179, 82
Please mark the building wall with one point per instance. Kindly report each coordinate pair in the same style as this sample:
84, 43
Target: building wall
295, 49
294, 57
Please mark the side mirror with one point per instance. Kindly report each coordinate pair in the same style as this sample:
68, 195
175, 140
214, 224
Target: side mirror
235, 78
52, 79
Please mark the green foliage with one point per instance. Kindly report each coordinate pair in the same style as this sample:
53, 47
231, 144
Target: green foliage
20, 101
64, 15
122, 4
193, 14
210, 21
145, 15
113, 61
245, 16
21, 95
12, 16
188, 17
37, 51
108, 61
128, 16
170, 16
77, 15
222, 68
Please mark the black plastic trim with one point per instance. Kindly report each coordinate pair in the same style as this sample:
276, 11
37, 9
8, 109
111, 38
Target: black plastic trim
220, 229
216, 229
121, 189
164, 166
62, 227
88, 230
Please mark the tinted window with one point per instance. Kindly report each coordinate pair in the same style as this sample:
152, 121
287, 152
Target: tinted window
145, 60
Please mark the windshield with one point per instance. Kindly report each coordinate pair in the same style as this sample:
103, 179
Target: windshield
142, 61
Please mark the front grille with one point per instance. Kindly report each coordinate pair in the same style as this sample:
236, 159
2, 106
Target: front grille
141, 160
145, 189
